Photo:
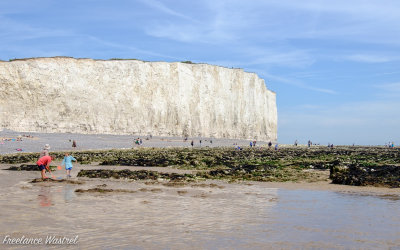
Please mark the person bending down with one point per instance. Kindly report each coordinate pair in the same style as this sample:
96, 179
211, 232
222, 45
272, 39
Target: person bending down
44, 164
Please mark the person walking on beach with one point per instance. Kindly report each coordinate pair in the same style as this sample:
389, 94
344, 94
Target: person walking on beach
45, 151
74, 144
44, 164
67, 161
192, 143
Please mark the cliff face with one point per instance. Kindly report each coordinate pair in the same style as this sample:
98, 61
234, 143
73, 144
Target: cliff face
130, 96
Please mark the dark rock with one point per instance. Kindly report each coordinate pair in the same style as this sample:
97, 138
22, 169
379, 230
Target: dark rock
68, 181
103, 190
29, 167
358, 174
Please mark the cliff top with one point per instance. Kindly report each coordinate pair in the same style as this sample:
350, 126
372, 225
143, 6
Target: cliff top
122, 59
111, 59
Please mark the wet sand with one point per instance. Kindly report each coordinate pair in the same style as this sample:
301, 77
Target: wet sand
203, 215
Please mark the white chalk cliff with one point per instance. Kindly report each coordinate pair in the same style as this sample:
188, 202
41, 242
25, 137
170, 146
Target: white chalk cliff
63, 94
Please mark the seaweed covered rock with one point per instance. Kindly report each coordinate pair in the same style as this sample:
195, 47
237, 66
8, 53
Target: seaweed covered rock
19, 158
257, 164
51, 180
28, 167
133, 175
104, 190
358, 174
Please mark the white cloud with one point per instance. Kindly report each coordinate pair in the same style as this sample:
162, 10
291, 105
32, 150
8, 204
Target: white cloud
388, 90
15, 30
298, 84
371, 58
129, 48
389, 87
190, 33
163, 8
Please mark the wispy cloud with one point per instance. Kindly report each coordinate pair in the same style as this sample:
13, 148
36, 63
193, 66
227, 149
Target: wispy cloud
298, 84
390, 87
364, 21
220, 23
365, 9
163, 8
12, 30
388, 90
129, 48
371, 58
288, 58
257, 57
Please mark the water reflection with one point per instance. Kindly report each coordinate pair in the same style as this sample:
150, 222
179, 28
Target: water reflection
69, 192
45, 196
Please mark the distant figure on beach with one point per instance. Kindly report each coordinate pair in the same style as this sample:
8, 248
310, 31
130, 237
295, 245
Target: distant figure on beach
200, 143
44, 164
295, 143
254, 143
74, 144
309, 143
276, 146
45, 151
251, 144
211, 141
192, 143
138, 141
67, 161
269, 144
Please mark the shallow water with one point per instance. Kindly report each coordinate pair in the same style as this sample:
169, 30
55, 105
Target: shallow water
228, 216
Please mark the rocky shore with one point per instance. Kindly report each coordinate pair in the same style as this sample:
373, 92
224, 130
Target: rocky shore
360, 166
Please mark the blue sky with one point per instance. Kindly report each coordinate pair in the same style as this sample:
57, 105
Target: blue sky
335, 65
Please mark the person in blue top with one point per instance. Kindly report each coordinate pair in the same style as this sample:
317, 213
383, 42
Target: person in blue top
68, 163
